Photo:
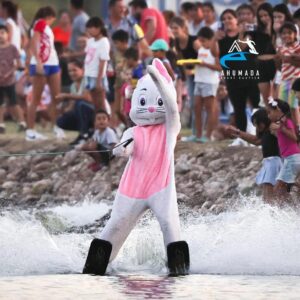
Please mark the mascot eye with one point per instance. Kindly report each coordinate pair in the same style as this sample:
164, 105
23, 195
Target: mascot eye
143, 101
160, 102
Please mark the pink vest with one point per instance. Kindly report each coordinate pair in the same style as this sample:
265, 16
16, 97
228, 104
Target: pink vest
148, 171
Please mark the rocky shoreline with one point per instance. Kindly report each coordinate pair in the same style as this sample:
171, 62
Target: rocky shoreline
209, 177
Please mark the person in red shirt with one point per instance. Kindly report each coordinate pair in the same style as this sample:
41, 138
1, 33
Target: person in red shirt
151, 20
62, 32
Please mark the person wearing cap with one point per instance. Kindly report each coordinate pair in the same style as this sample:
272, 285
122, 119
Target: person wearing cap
159, 49
151, 20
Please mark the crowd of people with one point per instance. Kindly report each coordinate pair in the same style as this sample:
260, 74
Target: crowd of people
239, 70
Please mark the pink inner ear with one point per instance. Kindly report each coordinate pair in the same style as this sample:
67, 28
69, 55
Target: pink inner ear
162, 70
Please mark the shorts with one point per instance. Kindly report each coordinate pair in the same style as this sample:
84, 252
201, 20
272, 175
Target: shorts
290, 169
287, 94
269, 171
205, 89
48, 70
10, 93
277, 79
267, 71
90, 83
105, 154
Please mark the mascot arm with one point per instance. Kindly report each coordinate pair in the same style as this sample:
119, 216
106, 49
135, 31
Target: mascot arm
166, 88
128, 150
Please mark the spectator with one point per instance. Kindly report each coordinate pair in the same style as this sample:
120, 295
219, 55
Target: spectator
264, 17
42, 110
79, 22
195, 18
185, 9
255, 4
271, 165
245, 14
284, 128
209, 16
225, 112
9, 12
160, 48
293, 6
169, 15
79, 113
95, 65
133, 63
151, 20
104, 139
9, 59
186, 47
265, 39
121, 43
62, 32
239, 89
44, 68
296, 88
281, 15
206, 83
296, 17
289, 52
117, 20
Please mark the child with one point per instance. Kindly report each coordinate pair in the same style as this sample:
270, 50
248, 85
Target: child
95, 64
272, 163
8, 56
44, 69
289, 51
104, 138
206, 83
283, 126
132, 63
224, 112
160, 48
120, 40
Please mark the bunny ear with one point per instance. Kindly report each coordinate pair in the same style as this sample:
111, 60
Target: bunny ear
161, 69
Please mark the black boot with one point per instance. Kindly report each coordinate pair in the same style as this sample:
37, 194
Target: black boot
98, 257
178, 258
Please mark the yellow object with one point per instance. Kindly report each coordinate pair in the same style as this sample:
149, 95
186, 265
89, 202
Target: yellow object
182, 62
139, 31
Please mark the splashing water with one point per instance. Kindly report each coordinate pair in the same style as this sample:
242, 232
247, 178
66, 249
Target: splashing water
254, 239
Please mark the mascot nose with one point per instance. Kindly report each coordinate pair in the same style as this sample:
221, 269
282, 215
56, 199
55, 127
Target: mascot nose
151, 109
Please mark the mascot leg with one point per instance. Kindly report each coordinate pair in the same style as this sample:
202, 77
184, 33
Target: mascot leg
98, 257
166, 211
125, 214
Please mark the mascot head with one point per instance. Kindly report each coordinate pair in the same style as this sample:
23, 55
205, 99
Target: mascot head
147, 106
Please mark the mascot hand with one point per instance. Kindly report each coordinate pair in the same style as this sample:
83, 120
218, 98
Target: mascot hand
164, 83
128, 150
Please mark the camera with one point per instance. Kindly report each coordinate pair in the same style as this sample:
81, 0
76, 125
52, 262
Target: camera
250, 27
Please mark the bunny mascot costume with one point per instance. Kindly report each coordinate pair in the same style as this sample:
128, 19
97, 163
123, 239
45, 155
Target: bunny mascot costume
148, 180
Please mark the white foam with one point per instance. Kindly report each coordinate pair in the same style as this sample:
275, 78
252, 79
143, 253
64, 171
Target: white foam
254, 239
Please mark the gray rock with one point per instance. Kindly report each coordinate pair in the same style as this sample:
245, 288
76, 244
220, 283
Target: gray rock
41, 186
3, 174
43, 166
9, 185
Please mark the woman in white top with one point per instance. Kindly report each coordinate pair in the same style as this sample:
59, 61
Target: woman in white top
44, 68
9, 12
206, 83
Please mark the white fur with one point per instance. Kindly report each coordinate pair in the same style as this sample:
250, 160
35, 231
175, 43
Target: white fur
152, 88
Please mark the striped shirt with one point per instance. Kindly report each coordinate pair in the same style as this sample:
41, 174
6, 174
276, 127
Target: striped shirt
288, 70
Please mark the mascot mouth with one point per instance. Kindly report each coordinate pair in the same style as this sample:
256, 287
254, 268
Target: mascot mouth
151, 119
